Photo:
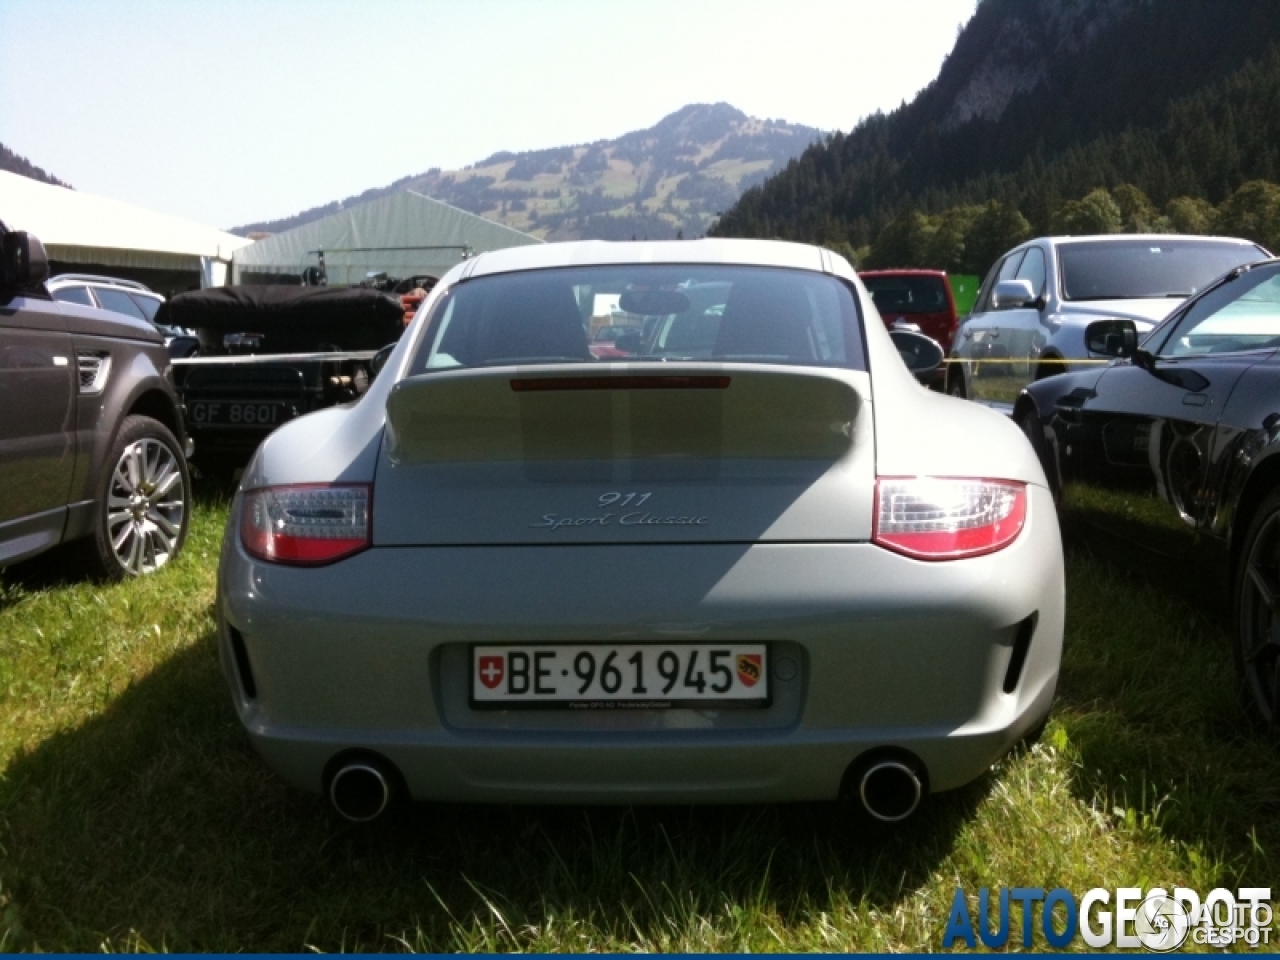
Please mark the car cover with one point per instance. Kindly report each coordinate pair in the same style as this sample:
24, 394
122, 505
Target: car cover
287, 318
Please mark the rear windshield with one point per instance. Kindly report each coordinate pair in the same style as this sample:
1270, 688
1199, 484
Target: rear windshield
1139, 269
905, 295
652, 313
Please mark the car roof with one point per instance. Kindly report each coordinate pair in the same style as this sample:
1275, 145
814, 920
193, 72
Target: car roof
90, 279
902, 273
1152, 237
584, 253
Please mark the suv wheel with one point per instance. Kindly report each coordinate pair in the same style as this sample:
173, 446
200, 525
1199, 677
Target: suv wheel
144, 502
955, 384
1257, 609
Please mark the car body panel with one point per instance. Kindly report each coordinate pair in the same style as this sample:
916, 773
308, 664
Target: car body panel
401, 684
370, 653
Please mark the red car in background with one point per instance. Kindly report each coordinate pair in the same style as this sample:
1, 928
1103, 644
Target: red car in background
915, 298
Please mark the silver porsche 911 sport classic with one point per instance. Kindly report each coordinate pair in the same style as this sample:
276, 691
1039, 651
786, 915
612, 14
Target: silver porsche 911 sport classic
750, 559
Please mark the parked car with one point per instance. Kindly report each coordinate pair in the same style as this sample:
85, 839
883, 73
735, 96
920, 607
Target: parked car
918, 300
264, 355
1175, 448
91, 439
129, 297
801, 600
1039, 298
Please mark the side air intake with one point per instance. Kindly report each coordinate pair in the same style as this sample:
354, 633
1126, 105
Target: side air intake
94, 366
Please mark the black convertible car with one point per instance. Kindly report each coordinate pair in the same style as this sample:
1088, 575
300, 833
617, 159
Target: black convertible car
263, 355
1174, 449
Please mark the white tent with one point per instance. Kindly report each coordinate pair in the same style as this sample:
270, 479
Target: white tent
81, 228
402, 234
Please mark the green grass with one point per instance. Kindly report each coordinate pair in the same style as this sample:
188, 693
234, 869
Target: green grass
134, 815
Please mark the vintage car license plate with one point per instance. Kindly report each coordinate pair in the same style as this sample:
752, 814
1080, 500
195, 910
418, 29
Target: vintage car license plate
609, 676
239, 413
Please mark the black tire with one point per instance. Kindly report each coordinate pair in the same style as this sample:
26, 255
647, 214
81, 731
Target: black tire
1028, 422
1257, 613
955, 385
144, 503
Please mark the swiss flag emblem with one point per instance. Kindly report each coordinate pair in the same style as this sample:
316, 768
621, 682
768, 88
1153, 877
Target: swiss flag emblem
749, 665
492, 670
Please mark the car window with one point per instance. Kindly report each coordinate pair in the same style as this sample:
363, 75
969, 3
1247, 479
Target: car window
907, 294
983, 301
1009, 269
1032, 270
148, 305
733, 313
1241, 315
1136, 269
74, 295
118, 301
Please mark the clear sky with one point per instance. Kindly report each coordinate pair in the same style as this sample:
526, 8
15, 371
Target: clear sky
231, 111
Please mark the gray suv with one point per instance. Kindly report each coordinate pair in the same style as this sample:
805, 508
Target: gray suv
1030, 317
91, 438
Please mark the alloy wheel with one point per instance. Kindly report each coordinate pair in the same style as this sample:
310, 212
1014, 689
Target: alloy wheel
146, 506
1259, 635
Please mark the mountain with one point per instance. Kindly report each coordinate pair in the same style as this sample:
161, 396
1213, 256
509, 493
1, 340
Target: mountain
1040, 103
673, 178
23, 167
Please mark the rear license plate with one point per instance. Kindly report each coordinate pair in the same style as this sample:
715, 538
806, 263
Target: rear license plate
619, 676
239, 413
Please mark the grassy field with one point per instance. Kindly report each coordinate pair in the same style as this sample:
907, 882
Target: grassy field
134, 815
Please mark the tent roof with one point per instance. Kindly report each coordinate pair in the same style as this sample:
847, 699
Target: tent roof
84, 227
404, 233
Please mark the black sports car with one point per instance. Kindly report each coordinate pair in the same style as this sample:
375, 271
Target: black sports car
1174, 447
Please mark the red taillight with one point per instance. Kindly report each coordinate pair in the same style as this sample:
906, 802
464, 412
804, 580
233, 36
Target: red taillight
307, 524
944, 518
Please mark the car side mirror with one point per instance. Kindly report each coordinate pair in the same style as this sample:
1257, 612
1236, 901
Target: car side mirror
23, 262
379, 360
1112, 338
1012, 294
922, 355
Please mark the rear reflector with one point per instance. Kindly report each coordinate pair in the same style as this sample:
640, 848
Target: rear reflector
307, 524
529, 384
942, 518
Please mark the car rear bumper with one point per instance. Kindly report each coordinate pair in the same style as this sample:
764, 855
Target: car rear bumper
883, 651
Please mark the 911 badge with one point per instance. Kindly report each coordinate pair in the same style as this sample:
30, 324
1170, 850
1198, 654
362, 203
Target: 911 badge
620, 516
749, 668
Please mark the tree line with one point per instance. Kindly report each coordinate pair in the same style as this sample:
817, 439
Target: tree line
967, 239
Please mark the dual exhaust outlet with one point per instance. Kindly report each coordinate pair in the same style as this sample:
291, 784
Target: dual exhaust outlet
889, 789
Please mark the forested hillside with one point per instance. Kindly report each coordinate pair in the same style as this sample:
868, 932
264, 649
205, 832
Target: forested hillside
1167, 107
671, 179
21, 165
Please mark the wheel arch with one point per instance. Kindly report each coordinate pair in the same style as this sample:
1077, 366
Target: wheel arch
155, 403
1053, 368
1264, 478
